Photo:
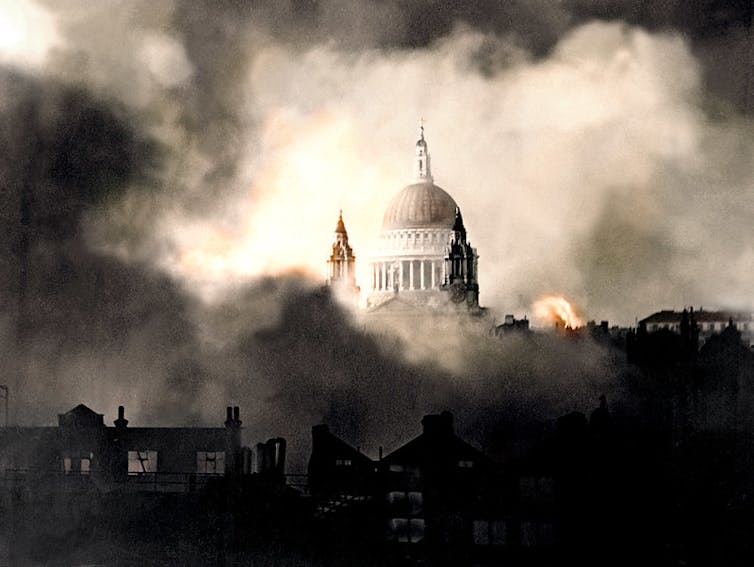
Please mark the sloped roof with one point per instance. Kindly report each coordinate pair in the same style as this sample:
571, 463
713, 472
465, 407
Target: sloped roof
669, 316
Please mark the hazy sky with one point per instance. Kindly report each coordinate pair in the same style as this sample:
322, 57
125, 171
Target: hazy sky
168, 165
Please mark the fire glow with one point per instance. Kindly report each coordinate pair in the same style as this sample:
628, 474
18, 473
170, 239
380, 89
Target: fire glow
310, 168
558, 310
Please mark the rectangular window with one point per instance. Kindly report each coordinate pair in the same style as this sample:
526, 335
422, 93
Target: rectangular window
537, 489
465, 464
141, 462
343, 462
406, 530
210, 462
405, 502
489, 532
536, 534
81, 465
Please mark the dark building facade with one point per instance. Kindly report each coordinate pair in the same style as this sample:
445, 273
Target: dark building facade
436, 496
148, 458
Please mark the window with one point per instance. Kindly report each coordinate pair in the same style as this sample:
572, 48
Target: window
536, 489
465, 464
141, 462
210, 462
536, 533
408, 470
78, 465
343, 462
489, 532
406, 530
405, 502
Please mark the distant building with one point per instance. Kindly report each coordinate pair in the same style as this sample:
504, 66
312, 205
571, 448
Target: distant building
512, 325
707, 323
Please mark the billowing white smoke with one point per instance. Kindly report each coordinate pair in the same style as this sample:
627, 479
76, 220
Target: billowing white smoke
594, 173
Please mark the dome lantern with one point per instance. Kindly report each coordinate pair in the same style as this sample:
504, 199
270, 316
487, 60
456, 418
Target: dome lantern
422, 170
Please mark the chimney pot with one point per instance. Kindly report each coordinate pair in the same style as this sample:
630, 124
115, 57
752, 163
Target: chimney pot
236, 413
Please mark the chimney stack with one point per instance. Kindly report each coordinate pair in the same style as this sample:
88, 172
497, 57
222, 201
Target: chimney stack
121, 422
438, 425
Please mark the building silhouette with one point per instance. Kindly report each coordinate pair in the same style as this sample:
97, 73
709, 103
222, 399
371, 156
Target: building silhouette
706, 323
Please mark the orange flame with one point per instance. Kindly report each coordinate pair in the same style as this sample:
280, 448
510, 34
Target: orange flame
557, 309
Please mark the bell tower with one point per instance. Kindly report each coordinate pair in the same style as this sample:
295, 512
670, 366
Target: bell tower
461, 262
342, 262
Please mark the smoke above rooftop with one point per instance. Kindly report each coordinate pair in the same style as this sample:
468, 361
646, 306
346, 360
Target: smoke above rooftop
175, 172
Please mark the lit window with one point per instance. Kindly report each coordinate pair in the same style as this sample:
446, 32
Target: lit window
141, 462
406, 530
210, 462
465, 464
343, 462
81, 465
397, 468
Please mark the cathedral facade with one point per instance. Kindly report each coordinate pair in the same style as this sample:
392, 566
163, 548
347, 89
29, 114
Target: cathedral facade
423, 259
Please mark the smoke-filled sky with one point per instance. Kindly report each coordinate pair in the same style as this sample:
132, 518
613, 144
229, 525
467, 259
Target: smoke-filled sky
172, 174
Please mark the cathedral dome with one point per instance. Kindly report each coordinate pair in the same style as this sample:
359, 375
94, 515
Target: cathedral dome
420, 205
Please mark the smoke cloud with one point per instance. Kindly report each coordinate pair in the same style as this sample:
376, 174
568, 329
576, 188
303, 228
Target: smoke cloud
173, 174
